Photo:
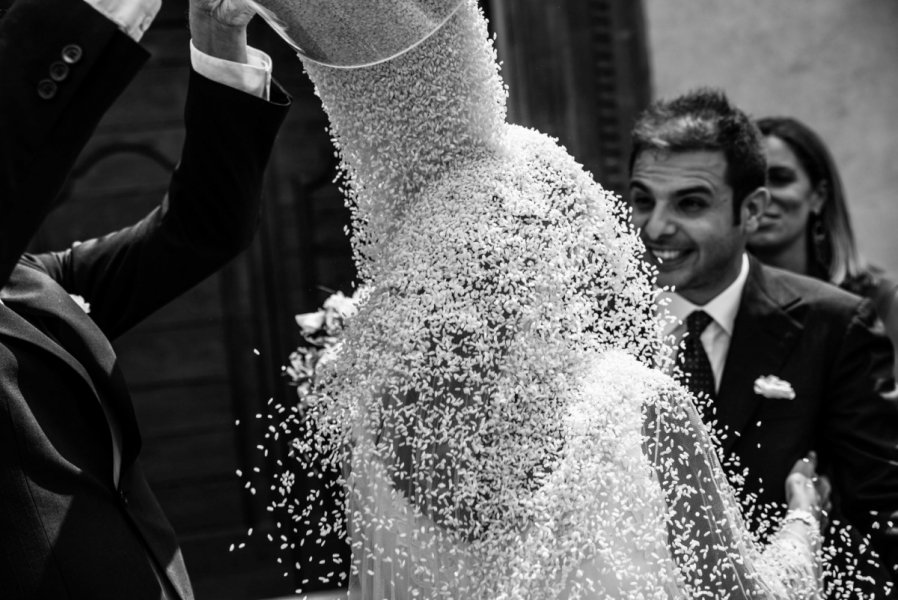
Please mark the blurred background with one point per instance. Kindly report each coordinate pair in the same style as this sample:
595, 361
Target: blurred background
205, 371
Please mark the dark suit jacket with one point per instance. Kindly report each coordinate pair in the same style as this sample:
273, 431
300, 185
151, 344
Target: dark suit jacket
826, 343
66, 530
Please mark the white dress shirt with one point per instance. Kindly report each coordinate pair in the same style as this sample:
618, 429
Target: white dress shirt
716, 337
134, 17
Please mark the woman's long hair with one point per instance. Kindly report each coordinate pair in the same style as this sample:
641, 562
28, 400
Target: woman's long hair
833, 251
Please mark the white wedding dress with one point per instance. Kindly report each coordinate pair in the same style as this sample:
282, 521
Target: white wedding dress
489, 404
600, 529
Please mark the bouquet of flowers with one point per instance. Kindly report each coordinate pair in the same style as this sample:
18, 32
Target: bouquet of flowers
321, 333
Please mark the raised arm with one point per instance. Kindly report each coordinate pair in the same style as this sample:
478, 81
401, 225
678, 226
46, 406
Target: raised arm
212, 207
62, 64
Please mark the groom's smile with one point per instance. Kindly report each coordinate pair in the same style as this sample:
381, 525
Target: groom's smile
683, 207
667, 259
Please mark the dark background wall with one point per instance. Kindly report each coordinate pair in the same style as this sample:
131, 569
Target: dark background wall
212, 359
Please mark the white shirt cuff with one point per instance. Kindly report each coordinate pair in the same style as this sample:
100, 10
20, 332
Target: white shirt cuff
133, 17
253, 77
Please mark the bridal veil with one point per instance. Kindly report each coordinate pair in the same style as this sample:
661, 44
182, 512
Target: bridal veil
493, 406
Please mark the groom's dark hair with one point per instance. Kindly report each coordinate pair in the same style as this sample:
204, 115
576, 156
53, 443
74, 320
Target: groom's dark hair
705, 119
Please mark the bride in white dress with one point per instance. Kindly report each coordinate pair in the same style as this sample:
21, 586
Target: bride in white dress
500, 433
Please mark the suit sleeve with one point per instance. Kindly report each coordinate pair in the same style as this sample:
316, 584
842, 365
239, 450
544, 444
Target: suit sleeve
62, 64
862, 428
209, 215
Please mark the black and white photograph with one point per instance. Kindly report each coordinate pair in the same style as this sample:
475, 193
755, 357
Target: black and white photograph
448, 299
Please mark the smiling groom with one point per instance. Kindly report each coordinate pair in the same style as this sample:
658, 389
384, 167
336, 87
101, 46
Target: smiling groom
789, 364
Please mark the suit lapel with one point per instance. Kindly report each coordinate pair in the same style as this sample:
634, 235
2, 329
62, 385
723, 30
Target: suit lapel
763, 336
13, 325
87, 351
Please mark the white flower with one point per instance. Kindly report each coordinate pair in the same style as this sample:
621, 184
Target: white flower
771, 386
344, 306
81, 302
339, 308
329, 353
311, 323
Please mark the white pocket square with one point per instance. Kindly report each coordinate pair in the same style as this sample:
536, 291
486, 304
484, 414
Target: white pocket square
771, 386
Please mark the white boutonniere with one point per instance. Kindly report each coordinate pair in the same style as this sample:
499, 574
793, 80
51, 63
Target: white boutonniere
81, 302
771, 386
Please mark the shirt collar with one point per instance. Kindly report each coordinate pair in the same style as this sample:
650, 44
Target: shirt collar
722, 308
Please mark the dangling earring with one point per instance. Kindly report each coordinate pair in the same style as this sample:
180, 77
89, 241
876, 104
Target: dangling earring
820, 243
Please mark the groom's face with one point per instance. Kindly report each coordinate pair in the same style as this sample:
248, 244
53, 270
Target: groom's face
683, 207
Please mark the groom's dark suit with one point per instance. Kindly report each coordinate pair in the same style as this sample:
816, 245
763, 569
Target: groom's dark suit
66, 529
825, 343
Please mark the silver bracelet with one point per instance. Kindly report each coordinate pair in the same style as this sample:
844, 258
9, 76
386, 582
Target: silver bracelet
797, 514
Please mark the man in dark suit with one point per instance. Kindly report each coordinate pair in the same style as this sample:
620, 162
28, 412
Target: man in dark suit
77, 519
787, 364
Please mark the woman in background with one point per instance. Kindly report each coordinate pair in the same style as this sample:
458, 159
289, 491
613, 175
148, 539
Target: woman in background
806, 228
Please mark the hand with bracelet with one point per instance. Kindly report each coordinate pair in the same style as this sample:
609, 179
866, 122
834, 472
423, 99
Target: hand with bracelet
800, 534
808, 496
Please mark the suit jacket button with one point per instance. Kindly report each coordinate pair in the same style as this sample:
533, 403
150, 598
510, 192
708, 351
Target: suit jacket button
123, 495
72, 53
59, 71
46, 89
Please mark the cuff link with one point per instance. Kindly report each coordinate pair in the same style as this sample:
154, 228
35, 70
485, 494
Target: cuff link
144, 24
